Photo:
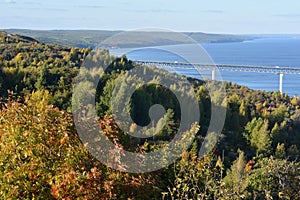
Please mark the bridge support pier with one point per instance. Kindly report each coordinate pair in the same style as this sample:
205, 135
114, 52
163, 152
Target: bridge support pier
281, 83
213, 74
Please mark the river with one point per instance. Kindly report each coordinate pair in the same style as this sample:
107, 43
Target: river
271, 51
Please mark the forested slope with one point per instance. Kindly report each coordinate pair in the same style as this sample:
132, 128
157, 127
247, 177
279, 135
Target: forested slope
86, 38
42, 157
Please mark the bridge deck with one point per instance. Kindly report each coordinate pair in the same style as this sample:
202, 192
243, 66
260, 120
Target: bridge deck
222, 67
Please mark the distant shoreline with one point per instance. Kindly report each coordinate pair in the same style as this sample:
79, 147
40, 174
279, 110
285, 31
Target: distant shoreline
91, 38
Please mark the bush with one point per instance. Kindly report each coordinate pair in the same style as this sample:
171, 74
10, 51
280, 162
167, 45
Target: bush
41, 156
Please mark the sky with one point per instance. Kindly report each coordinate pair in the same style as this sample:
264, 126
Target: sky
210, 16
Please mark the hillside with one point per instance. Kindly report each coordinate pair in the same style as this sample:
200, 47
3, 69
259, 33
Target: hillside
15, 38
255, 156
86, 38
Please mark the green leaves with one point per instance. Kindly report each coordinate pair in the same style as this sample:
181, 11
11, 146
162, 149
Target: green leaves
258, 135
276, 178
236, 180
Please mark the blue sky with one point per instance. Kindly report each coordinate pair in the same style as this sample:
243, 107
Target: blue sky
214, 16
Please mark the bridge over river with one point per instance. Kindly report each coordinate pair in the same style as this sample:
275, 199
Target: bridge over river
224, 67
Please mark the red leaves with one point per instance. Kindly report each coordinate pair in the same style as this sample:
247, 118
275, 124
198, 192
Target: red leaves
250, 165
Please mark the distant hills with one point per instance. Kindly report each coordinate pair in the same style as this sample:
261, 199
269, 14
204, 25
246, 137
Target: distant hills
15, 38
92, 38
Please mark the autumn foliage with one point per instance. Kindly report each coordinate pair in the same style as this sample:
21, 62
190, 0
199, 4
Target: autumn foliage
41, 155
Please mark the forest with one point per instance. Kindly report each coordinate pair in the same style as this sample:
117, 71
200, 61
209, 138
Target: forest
42, 156
91, 38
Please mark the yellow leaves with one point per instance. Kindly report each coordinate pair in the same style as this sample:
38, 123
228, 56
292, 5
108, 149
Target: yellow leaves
40, 100
18, 58
64, 139
9, 71
34, 135
219, 162
9, 174
26, 133
43, 157
133, 128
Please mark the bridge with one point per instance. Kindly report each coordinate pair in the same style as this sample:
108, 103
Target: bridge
224, 67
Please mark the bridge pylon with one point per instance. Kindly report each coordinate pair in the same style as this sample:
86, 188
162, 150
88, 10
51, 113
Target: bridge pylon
213, 74
281, 83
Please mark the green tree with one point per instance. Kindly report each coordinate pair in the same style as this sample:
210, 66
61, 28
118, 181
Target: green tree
277, 115
166, 126
41, 81
83, 93
244, 114
193, 178
232, 116
280, 152
258, 135
275, 179
236, 180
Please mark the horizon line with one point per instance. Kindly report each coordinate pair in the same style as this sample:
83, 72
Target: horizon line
116, 30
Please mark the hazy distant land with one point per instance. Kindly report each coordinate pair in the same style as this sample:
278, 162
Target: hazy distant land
86, 38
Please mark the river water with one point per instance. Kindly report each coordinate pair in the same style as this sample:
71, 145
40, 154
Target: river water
271, 51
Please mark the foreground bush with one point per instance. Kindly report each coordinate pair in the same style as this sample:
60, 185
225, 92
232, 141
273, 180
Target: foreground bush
41, 156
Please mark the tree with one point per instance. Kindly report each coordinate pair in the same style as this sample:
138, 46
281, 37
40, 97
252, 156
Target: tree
275, 179
258, 135
232, 116
82, 95
193, 178
41, 154
2, 89
279, 133
236, 180
280, 152
277, 115
244, 114
166, 126
41, 81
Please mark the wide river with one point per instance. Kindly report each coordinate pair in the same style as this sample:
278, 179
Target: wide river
280, 51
